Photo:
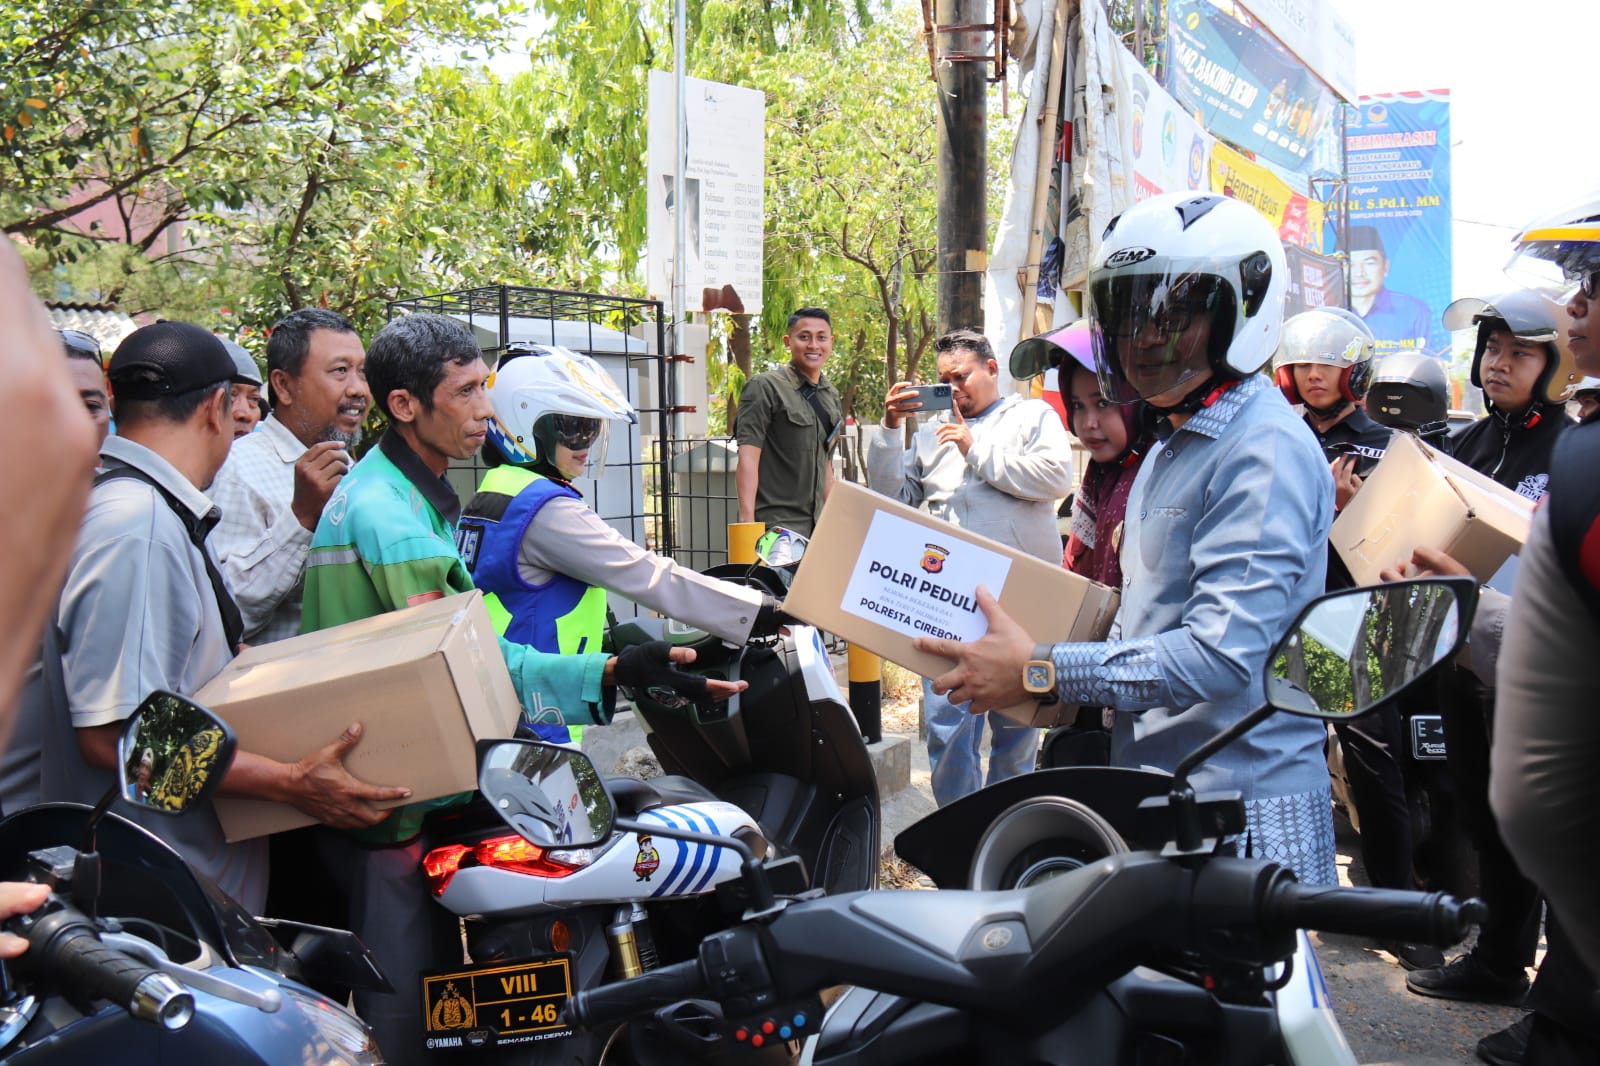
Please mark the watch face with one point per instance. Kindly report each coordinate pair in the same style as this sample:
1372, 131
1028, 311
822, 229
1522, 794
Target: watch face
1038, 678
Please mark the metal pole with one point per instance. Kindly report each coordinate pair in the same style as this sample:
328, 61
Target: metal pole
680, 236
963, 163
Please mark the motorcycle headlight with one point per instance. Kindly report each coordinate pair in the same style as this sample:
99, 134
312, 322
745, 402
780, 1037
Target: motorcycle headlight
347, 1034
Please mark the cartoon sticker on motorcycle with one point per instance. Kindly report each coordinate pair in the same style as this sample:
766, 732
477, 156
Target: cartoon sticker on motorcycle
649, 859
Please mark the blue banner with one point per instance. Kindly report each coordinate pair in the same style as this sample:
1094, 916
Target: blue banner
1244, 85
1398, 237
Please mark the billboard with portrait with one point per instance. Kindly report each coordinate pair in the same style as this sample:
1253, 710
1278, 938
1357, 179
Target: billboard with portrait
1398, 233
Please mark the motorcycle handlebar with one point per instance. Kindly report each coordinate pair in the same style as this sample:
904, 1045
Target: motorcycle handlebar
625, 999
65, 945
1431, 918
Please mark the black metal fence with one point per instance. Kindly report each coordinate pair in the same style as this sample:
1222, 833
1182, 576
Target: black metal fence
625, 335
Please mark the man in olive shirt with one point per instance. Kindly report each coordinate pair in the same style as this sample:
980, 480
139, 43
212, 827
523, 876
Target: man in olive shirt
788, 421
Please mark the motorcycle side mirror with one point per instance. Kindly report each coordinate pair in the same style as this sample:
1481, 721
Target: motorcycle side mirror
552, 796
1351, 650
170, 757
172, 754
1347, 653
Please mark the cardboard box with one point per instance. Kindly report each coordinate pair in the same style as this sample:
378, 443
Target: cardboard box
425, 683
879, 573
1418, 497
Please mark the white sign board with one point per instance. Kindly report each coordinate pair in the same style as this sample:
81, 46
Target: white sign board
723, 190
936, 599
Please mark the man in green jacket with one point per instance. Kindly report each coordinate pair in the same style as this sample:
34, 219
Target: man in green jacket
386, 541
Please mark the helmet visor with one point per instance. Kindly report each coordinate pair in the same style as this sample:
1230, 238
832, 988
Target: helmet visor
1558, 258
580, 444
1154, 332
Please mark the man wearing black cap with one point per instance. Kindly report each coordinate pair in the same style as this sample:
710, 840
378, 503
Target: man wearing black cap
144, 606
1398, 322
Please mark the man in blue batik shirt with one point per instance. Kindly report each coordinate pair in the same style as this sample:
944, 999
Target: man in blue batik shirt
1225, 541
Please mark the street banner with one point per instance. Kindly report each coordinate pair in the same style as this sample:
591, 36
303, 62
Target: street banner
1398, 235
722, 194
1298, 218
1169, 150
1244, 85
1315, 32
1314, 281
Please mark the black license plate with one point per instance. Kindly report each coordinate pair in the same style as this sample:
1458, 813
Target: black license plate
497, 1003
1427, 736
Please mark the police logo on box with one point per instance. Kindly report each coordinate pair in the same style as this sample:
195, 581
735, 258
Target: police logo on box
933, 558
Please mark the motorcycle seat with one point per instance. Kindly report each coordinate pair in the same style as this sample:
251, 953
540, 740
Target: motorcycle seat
633, 795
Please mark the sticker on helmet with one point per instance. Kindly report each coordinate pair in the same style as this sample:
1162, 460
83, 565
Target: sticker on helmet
1128, 256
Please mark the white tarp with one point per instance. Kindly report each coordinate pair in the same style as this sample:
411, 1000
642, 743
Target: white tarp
1098, 186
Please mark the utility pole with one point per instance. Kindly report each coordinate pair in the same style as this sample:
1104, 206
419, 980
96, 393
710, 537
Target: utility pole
960, 61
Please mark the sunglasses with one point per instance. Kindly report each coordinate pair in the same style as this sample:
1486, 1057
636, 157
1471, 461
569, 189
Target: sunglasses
1589, 283
575, 432
80, 343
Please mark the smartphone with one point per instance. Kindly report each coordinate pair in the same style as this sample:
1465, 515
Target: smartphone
1365, 460
935, 397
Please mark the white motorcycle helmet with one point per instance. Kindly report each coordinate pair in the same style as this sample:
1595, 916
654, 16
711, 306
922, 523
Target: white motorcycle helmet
1560, 249
545, 396
1163, 263
1332, 337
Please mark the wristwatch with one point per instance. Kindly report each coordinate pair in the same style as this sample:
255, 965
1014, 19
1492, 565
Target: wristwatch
1039, 675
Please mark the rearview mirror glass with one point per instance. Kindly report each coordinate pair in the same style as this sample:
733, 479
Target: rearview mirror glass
1352, 650
552, 796
172, 753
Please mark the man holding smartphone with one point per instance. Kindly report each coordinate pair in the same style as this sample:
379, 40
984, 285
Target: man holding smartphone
993, 465
273, 487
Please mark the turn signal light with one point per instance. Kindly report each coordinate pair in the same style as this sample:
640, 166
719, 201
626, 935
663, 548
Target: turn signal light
510, 852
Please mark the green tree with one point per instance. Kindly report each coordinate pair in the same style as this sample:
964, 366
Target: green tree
243, 120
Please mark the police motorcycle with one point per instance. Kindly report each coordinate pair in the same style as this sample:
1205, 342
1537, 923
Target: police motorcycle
781, 769
134, 958
1070, 945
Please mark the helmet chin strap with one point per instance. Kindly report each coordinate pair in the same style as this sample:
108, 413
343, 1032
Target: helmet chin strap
1202, 395
1329, 414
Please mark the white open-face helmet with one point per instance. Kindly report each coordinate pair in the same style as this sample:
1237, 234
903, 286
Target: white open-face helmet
1172, 266
543, 396
1331, 336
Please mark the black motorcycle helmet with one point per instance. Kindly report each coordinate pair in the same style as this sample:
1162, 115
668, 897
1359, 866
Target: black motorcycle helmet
1529, 316
1409, 390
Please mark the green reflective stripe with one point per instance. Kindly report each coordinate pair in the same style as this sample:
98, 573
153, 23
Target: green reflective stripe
506, 479
586, 621
499, 617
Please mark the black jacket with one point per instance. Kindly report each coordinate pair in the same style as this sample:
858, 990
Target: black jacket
1357, 435
1515, 449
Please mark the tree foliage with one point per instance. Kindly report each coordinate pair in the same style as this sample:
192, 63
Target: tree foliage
277, 133
328, 152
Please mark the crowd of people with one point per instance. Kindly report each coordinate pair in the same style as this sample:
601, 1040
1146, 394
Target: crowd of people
227, 509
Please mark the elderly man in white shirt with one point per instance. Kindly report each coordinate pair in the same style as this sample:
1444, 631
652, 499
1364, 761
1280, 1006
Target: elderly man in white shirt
276, 481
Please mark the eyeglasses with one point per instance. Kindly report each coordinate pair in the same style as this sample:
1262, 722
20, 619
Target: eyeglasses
1589, 283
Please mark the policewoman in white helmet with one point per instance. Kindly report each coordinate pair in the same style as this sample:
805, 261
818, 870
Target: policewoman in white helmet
1323, 363
1226, 534
532, 542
